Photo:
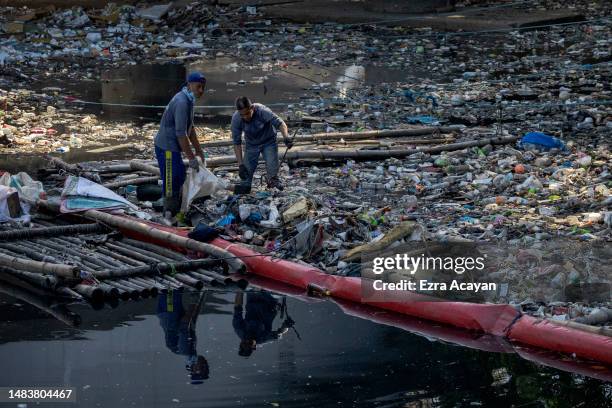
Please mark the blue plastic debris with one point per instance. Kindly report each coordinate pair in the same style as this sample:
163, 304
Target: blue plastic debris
540, 141
424, 120
412, 97
225, 220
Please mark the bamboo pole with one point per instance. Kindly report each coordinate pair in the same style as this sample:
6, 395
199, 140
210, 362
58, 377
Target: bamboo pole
157, 268
119, 257
188, 280
29, 252
144, 253
128, 252
63, 249
155, 249
159, 235
167, 283
51, 231
153, 289
109, 291
144, 292
62, 270
148, 281
397, 153
91, 292
604, 331
123, 294
206, 279
134, 294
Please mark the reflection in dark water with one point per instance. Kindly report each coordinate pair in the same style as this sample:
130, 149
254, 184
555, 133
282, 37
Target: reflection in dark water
153, 85
121, 357
179, 323
254, 326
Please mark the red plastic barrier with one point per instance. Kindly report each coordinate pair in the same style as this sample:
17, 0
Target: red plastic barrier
565, 364
547, 335
485, 342
499, 320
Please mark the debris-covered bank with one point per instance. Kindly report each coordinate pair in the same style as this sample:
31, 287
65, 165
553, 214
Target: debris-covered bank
546, 89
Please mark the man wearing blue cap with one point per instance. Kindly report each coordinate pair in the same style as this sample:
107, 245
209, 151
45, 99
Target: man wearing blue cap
176, 130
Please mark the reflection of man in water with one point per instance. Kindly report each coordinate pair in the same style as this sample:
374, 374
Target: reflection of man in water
256, 325
179, 328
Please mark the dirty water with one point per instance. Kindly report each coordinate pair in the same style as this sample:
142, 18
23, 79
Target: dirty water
123, 357
153, 85
150, 87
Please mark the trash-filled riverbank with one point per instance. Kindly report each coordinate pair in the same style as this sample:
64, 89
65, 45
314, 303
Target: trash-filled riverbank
500, 137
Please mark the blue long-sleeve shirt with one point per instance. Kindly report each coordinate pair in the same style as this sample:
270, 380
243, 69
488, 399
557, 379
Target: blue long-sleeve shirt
175, 122
261, 129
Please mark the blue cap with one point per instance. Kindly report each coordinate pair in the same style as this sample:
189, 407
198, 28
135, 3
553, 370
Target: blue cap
196, 77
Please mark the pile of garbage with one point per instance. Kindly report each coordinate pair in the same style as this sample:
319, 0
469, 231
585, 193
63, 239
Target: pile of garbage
34, 122
547, 195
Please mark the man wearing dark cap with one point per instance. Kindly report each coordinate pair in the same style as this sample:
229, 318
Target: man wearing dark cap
175, 132
259, 126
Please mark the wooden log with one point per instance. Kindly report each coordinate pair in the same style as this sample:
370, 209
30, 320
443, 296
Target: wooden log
62, 270
364, 135
134, 182
397, 153
73, 169
55, 231
140, 166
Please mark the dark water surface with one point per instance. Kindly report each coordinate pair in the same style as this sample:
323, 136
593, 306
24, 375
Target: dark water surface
120, 358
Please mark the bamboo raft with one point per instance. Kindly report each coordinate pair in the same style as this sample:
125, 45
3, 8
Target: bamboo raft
91, 262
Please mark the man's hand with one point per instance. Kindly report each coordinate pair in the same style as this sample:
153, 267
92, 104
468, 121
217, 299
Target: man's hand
194, 164
243, 173
288, 143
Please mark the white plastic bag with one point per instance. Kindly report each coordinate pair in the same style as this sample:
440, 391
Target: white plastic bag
200, 183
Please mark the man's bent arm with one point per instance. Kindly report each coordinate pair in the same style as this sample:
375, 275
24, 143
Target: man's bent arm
193, 138
284, 130
238, 152
184, 143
